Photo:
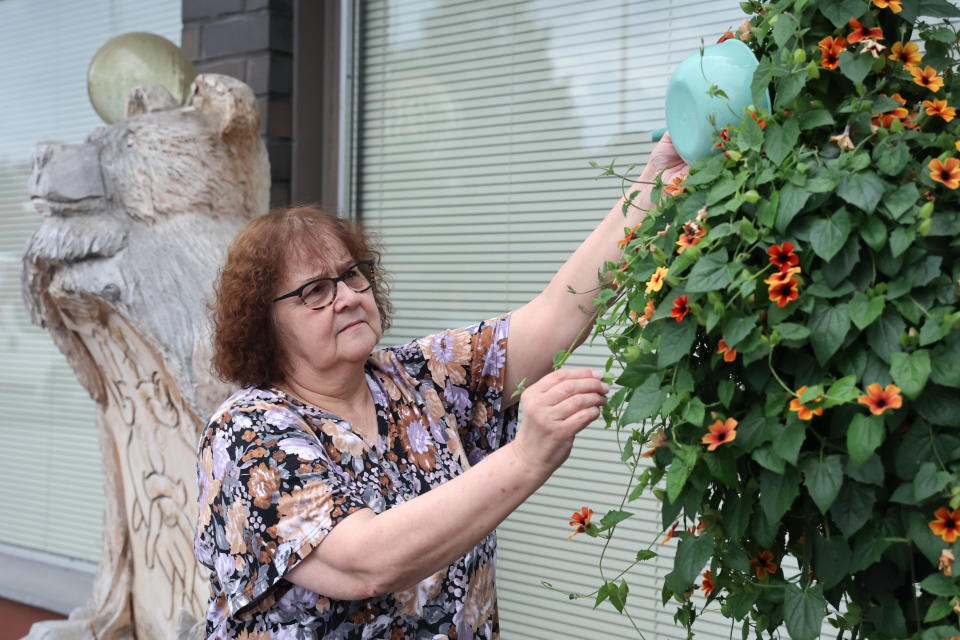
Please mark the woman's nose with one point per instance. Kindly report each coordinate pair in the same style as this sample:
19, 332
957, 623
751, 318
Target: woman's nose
346, 297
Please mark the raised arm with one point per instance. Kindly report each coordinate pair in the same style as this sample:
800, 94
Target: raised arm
366, 555
553, 320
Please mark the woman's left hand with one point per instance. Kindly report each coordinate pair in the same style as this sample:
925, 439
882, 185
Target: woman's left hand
665, 158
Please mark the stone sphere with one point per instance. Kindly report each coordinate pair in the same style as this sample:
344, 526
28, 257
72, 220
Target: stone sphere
133, 59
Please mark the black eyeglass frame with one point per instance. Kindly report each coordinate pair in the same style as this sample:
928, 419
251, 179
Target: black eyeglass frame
298, 292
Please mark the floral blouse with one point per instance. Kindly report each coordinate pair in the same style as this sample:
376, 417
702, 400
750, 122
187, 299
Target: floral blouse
276, 475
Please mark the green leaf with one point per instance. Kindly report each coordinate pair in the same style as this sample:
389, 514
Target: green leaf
938, 9
867, 549
788, 88
815, 118
676, 340
613, 518
839, 12
803, 611
929, 480
901, 200
644, 403
785, 29
828, 328
828, 235
725, 389
823, 479
855, 66
945, 362
940, 585
883, 336
723, 467
873, 232
939, 608
787, 444
737, 509
918, 530
870, 472
792, 199
910, 371
692, 554
736, 327
778, 492
739, 604
940, 406
852, 508
793, 331
693, 412
831, 560
677, 474
780, 140
766, 458
721, 190
891, 156
864, 435
900, 240
710, 273
863, 190
751, 136
864, 310
842, 391
762, 76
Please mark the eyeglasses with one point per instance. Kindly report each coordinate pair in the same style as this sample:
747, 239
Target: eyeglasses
321, 292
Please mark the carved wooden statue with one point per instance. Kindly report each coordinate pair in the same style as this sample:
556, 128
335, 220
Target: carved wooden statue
136, 223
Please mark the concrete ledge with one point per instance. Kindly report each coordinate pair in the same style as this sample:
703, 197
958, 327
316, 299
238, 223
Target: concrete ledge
43, 579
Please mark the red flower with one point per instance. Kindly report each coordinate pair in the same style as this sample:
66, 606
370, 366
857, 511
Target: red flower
763, 564
580, 520
782, 256
783, 287
729, 355
630, 236
724, 137
680, 308
721, 432
946, 525
726, 36
803, 411
861, 32
760, 121
670, 534
880, 399
708, 585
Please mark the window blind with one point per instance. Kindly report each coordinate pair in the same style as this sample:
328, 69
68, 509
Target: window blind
477, 124
51, 479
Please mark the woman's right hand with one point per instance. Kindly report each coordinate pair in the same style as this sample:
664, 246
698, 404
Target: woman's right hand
554, 410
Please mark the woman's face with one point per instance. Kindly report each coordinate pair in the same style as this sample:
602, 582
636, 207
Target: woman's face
340, 335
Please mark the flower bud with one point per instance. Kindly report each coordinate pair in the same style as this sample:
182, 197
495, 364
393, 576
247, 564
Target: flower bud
799, 56
925, 226
751, 196
926, 210
733, 154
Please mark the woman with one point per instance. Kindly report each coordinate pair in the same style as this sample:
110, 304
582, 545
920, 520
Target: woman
352, 493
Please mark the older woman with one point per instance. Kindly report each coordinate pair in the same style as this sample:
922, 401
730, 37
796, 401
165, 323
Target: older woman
353, 493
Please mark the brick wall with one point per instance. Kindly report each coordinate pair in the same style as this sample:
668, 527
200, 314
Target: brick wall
251, 40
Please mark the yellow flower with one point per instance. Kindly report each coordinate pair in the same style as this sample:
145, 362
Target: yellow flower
940, 108
893, 5
926, 77
656, 280
906, 53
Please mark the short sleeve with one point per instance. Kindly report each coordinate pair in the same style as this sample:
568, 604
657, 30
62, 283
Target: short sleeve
468, 368
269, 494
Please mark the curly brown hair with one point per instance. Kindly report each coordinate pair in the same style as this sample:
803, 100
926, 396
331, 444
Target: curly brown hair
246, 348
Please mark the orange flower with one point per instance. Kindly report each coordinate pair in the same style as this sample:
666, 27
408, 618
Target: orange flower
926, 77
893, 5
708, 585
947, 173
783, 286
632, 234
803, 411
760, 121
861, 32
940, 108
692, 233
886, 118
580, 520
946, 525
830, 49
721, 432
655, 283
906, 53
782, 256
880, 399
657, 439
675, 188
763, 564
670, 534
729, 355
680, 308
